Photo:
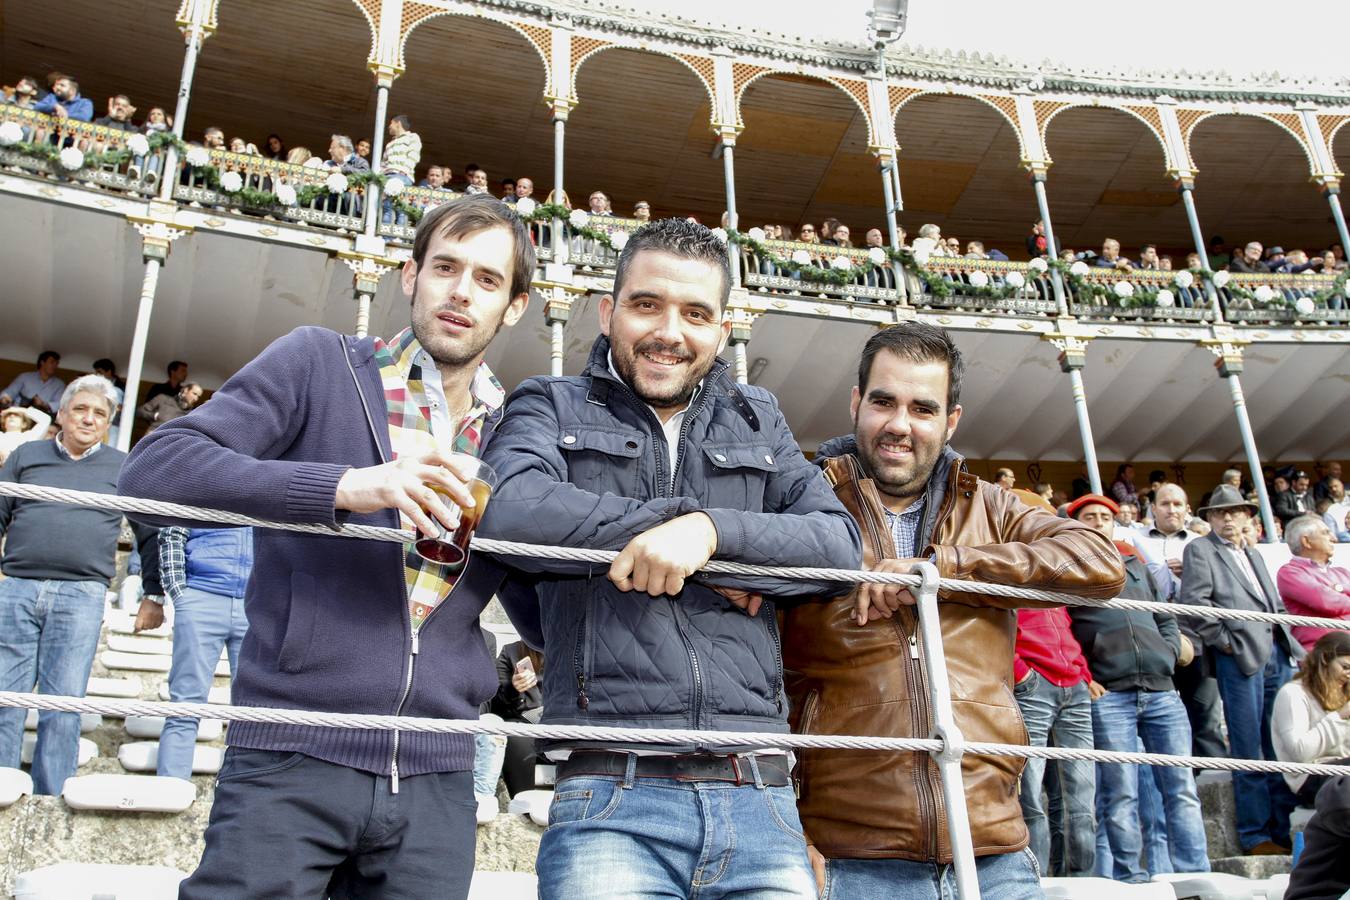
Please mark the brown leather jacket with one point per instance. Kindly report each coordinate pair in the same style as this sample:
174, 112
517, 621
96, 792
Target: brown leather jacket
846, 679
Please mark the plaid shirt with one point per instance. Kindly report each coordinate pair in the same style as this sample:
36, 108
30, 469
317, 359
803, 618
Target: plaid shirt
410, 407
905, 528
173, 561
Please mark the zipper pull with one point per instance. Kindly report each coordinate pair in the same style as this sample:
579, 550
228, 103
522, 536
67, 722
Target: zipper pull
913, 646
393, 777
583, 702
414, 643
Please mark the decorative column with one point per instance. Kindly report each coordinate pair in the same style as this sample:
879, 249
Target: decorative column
384, 80
197, 21
156, 236
1228, 350
1186, 187
557, 312
1038, 170
1330, 185
727, 135
1327, 178
742, 323
366, 274
1072, 358
561, 108
889, 167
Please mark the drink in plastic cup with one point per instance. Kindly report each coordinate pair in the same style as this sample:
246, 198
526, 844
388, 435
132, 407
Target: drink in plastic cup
451, 546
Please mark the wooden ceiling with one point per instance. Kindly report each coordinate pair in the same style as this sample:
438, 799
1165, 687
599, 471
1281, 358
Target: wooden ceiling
474, 91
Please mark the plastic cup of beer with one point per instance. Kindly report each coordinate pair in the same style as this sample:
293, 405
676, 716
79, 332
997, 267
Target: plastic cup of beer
451, 547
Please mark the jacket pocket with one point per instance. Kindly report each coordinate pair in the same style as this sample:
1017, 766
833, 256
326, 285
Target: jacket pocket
601, 460
737, 473
300, 619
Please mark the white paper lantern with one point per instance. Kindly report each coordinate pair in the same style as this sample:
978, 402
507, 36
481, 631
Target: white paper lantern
1079, 268
198, 156
1015, 280
10, 133
979, 279
1123, 289
525, 207
801, 257
1304, 306
1164, 298
876, 256
72, 158
841, 264
1183, 279
720, 234
1038, 265
336, 183
286, 194
618, 239
138, 144
756, 234
394, 186
1221, 279
579, 218
231, 182
921, 256
1264, 293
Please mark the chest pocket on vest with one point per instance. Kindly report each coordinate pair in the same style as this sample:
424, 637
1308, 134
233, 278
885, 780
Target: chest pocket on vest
600, 461
737, 474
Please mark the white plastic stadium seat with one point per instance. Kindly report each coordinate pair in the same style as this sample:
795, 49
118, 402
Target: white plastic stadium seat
217, 695
503, 886
149, 727
1220, 886
93, 881
143, 756
88, 750
1103, 889
136, 662
533, 804
129, 643
88, 721
14, 783
128, 688
139, 793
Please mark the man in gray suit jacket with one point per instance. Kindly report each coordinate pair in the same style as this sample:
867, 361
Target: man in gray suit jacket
1252, 660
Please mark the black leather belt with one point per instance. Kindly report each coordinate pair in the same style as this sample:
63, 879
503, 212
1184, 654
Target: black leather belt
683, 767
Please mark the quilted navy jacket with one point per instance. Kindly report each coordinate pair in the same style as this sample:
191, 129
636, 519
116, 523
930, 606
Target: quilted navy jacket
582, 464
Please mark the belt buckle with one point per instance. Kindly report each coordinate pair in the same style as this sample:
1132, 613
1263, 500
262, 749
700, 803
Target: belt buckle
736, 769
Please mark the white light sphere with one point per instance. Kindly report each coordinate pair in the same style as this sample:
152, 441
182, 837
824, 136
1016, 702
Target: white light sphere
1165, 298
979, 279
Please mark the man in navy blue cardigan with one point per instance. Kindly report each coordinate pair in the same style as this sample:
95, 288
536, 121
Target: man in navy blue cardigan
323, 427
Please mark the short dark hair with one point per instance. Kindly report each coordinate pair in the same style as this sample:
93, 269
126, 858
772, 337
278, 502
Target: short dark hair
469, 215
678, 237
106, 365
471, 168
917, 342
403, 121
48, 354
177, 363
1157, 475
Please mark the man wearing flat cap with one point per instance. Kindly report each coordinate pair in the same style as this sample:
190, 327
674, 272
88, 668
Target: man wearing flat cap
1252, 660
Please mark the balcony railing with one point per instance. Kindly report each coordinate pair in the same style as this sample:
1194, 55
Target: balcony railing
399, 227
134, 174
1279, 299
1187, 304
269, 187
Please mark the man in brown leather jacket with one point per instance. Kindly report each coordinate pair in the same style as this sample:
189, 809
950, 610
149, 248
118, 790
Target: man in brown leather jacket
876, 822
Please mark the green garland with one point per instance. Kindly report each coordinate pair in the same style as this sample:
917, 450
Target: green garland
51, 153
547, 211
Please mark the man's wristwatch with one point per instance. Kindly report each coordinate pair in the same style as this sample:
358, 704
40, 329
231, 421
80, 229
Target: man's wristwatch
154, 598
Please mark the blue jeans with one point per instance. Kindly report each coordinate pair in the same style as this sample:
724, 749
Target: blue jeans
489, 752
623, 838
1157, 853
1061, 716
1007, 876
1120, 720
48, 636
202, 623
1264, 801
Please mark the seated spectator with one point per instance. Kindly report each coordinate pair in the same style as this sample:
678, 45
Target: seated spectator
599, 204
508, 187
177, 372
156, 120
1068, 255
19, 425
1110, 257
1311, 722
437, 178
842, 238
1274, 259
524, 189
1332, 472
363, 149
1045, 491
1294, 502
1218, 254
953, 247
1250, 261
213, 138
1278, 485
165, 408
274, 148
1128, 517
519, 699
477, 178
1132, 657
1148, 258
1123, 489
342, 156
827, 231
119, 114
1297, 263
239, 145
24, 94
642, 211
807, 234
1309, 584
930, 241
1037, 245
65, 101
1165, 263
58, 560
1339, 510
1005, 478
40, 388
975, 250
874, 238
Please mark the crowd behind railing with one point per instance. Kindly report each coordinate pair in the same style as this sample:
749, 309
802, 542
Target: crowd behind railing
54, 132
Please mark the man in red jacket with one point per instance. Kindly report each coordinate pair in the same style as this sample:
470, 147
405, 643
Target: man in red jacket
1055, 691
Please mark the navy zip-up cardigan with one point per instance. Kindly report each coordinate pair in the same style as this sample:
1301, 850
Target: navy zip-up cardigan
328, 616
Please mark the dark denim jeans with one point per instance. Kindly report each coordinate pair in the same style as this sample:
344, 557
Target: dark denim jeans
1264, 800
48, 636
1120, 720
1006, 876
1062, 717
